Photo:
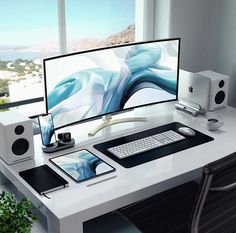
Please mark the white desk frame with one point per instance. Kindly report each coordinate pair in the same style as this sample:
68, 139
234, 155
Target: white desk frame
70, 207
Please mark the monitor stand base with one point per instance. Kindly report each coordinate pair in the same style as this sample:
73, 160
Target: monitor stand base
107, 121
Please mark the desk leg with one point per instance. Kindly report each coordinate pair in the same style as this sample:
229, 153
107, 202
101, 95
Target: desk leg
70, 224
3, 179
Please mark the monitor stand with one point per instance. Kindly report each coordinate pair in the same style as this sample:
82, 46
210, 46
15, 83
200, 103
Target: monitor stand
107, 121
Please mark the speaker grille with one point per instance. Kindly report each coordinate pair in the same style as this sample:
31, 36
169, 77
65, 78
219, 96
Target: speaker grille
20, 146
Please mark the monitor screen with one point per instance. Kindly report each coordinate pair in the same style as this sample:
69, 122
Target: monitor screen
89, 84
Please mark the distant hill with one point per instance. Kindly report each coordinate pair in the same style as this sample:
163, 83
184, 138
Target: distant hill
11, 48
125, 36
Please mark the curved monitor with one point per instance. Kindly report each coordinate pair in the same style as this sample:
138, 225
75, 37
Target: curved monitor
86, 85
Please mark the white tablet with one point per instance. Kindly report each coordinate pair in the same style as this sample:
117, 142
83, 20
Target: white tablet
82, 165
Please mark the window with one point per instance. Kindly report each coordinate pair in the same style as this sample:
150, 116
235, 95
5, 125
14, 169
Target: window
30, 32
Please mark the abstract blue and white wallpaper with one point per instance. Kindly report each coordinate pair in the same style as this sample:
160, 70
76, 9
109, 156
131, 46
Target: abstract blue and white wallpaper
82, 165
81, 86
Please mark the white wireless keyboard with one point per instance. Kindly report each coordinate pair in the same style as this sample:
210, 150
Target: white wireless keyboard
145, 144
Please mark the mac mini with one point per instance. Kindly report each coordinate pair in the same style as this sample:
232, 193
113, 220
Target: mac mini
194, 88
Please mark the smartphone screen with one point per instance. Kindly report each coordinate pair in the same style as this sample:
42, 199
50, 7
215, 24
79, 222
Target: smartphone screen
47, 129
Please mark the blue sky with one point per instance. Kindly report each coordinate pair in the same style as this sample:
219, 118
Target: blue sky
28, 22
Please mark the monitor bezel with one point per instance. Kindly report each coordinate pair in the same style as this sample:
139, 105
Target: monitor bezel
105, 48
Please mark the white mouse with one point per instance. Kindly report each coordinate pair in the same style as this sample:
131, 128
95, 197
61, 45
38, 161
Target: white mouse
187, 131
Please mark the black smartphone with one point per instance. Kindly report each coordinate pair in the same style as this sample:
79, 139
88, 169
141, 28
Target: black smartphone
47, 131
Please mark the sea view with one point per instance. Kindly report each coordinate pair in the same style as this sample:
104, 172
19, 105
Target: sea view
25, 55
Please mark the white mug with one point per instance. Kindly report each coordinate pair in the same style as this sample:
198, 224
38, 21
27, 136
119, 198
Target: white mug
214, 124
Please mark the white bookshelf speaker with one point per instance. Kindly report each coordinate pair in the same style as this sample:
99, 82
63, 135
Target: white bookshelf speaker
16, 137
219, 89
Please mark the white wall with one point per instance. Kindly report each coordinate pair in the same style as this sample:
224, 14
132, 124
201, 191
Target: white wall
208, 34
226, 50
186, 20
212, 35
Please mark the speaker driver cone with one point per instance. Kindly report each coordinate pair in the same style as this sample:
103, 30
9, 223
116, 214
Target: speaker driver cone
19, 129
221, 83
20, 146
220, 96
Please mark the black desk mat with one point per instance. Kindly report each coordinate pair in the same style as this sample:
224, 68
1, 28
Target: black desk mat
157, 153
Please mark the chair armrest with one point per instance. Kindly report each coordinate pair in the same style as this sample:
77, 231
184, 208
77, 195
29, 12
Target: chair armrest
221, 164
224, 188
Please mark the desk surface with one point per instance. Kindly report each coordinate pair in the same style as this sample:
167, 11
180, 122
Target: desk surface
69, 207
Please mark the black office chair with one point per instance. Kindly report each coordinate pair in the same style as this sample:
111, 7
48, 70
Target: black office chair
207, 207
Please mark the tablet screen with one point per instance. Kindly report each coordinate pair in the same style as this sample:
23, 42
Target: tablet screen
82, 165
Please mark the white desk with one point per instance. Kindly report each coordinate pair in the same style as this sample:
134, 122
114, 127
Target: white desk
68, 208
